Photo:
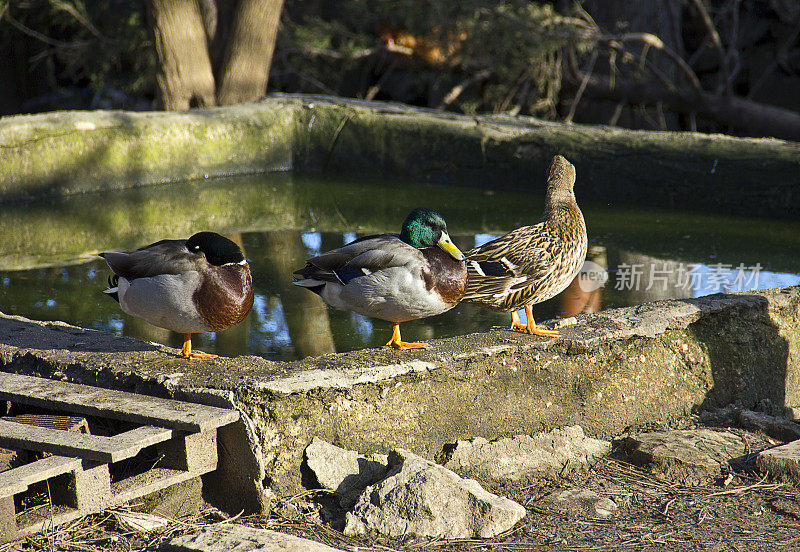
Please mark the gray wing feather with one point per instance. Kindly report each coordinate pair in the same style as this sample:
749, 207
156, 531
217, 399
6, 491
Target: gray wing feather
164, 257
375, 254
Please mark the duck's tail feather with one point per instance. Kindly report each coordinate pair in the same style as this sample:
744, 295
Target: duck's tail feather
113, 287
311, 284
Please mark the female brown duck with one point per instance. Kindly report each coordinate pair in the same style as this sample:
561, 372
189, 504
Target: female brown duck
533, 263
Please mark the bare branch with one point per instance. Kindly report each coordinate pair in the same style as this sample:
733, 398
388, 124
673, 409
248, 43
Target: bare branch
42, 38
753, 117
780, 56
456, 91
80, 18
581, 88
657, 43
713, 35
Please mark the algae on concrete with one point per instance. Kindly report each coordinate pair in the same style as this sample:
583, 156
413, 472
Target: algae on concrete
68, 152
78, 151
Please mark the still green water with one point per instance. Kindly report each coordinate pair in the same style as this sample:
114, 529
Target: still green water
48, 268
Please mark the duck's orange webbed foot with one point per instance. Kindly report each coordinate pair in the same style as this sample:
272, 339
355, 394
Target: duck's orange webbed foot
531, 326
186, 350
516, 323
397, 343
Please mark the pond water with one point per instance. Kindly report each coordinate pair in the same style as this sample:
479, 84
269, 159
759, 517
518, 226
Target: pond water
48, 268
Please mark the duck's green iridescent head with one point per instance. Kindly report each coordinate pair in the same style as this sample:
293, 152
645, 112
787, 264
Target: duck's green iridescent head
425, 227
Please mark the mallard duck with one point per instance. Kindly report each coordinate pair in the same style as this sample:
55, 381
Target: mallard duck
198, 285
533, 263
396, 278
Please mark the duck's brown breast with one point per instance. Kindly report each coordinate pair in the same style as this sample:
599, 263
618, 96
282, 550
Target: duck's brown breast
225, 296
445, 275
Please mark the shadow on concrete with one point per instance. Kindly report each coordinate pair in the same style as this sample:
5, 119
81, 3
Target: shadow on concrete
53, 336
748, 356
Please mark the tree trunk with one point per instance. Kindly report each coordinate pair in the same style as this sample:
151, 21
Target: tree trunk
244, 70
184, 77
661, 18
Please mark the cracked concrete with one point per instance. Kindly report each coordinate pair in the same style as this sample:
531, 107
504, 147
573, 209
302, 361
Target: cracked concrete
617, 369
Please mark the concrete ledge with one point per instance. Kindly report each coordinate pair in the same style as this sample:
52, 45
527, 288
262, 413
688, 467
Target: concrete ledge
67, 152
612, 370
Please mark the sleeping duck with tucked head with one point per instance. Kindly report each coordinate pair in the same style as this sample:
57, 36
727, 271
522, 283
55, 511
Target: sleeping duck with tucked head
198, 285
396, 278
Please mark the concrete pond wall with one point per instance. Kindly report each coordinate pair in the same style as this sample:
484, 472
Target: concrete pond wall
611, 371
77, 151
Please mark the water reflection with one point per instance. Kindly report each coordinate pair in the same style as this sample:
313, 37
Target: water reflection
584, 295
289, 322
48, 270
303, 314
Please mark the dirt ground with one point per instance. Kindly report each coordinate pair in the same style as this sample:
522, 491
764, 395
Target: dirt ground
748, 514
742, 511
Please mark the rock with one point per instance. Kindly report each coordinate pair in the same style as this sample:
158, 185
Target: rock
419, 497
140, 521
10, 459
240, 538
582, 502
344, 471
782, 462
687, 456
782, 429
513, 459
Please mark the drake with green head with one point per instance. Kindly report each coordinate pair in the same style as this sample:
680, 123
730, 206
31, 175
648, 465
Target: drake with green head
533, 263
396, 278
202, 284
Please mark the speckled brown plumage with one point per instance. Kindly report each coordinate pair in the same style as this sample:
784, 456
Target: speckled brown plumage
533, 263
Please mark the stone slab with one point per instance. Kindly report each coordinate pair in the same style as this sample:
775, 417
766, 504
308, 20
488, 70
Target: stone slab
781, 462
240, 538
550, 454
17, 480
110, 403
779, 428
687, 456
68, 443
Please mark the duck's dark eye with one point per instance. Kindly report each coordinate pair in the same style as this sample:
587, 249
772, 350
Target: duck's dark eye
195, 248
